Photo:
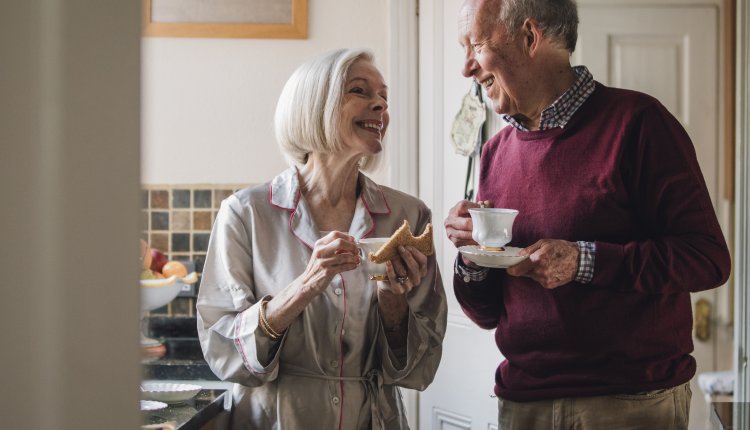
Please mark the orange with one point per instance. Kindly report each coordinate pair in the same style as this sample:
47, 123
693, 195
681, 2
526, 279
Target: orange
174, 268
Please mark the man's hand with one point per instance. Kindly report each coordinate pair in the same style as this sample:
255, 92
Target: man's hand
551, 263
458, 223
458, 226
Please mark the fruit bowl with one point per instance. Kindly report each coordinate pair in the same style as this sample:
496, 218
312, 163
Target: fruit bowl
156, 293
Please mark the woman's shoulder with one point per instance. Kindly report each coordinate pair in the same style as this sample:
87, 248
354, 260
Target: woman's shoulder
397, 199
248, 197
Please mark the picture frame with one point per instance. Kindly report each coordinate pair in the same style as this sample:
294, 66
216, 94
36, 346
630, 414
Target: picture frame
195, 18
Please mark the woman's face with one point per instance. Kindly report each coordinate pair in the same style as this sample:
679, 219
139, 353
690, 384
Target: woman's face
364, 109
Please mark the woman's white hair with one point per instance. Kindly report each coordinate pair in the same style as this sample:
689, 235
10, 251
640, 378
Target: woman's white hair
308, 116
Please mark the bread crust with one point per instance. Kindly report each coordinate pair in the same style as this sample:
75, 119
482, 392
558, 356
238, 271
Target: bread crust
403, 237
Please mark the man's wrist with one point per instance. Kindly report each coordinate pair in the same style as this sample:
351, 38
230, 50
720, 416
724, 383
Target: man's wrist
467, 273
586, 260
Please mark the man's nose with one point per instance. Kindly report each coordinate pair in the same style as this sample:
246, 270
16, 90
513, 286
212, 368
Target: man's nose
470, 64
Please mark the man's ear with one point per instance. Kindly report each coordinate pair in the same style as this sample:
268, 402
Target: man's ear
532, 36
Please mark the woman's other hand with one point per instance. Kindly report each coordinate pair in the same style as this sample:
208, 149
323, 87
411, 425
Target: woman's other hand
404, 271
332, 254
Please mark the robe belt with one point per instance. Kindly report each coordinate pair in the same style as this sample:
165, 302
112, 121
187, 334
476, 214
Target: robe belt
372, 381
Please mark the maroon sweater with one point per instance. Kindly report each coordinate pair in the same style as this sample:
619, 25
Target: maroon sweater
623, 174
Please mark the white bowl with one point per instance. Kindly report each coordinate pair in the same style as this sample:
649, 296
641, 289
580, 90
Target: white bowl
169, 392
156, 293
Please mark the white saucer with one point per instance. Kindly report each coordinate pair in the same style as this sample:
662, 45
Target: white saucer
169, 392
495, 259
150, 405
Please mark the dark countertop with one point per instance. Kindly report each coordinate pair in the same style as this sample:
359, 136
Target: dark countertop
192, 414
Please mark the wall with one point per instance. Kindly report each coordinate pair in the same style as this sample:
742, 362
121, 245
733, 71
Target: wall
69, 165
208, 104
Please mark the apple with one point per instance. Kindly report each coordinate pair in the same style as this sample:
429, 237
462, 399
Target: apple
158, 260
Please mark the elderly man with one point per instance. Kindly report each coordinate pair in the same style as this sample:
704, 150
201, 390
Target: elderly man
595, 326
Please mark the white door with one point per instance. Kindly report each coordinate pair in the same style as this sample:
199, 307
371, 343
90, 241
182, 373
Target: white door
668, 52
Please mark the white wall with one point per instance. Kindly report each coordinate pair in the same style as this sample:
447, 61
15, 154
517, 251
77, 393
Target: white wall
208, 104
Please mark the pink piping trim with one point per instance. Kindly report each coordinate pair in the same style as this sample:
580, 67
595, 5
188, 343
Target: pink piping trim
384, 201
341, 354
270, 199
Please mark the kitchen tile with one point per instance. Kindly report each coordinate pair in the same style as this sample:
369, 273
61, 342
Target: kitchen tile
180, 242
180, 198
201, 220
220, 195
160, 241
180, 220
200, 242
200, 261
201, 198
159, 199
159, 220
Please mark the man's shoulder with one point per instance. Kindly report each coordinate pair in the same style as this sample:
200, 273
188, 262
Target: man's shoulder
621, 99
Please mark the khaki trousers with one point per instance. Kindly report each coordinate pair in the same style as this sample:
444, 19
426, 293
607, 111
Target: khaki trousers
652, 410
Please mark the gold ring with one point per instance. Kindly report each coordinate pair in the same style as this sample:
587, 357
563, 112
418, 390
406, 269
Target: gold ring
402, 279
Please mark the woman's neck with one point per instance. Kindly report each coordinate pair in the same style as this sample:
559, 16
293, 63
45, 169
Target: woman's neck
329, 185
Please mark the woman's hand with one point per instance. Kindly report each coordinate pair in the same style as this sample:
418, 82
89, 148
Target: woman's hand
551, 263
405, 271
332, 254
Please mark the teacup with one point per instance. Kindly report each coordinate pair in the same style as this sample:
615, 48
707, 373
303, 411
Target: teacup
493, 227
374, 271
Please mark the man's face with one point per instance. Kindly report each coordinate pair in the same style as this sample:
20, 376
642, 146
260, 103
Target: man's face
492, 56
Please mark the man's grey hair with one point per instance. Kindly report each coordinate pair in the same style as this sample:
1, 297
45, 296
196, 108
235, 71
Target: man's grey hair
557, 18
308, 113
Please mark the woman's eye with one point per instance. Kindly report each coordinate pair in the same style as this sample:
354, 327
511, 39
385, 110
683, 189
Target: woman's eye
357, 90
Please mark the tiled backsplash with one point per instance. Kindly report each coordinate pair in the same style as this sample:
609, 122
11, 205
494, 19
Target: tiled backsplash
177, 219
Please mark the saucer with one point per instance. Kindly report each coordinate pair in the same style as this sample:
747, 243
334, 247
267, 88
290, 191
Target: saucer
495, 259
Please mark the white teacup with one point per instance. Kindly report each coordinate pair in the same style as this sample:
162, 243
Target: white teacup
493, 227
375, 272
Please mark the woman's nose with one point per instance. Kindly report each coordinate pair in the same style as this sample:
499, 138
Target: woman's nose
379, 104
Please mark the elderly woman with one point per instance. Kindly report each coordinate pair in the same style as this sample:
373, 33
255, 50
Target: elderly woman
285, 309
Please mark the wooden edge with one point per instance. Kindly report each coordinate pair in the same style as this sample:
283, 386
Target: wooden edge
297, 29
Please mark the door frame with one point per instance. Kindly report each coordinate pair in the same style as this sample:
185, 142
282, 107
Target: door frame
402, 152
742, 238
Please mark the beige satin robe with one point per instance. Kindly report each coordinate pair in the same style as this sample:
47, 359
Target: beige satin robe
333, 368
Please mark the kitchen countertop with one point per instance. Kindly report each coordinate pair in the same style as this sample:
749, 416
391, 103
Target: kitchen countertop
192, 414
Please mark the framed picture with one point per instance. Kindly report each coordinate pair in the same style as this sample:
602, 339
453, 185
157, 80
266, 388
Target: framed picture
262, 19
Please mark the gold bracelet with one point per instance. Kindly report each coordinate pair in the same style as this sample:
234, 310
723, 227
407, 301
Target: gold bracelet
264, 325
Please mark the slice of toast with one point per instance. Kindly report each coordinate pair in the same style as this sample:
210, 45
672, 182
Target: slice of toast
403, 237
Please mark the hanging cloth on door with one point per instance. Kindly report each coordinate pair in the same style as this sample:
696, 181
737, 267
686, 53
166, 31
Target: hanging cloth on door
468, 134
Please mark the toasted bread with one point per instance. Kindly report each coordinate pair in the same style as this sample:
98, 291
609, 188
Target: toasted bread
403, 237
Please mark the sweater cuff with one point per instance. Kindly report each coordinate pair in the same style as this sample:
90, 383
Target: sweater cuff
609, 258
469, 274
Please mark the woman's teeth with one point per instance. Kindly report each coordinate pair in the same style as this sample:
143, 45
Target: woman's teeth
487, 82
